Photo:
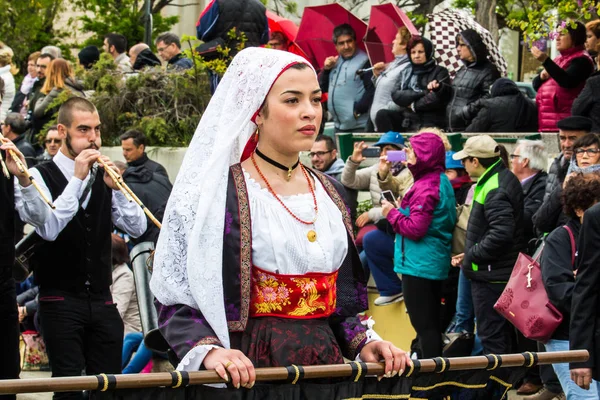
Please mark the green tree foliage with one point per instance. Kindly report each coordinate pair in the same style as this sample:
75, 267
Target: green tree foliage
539, 19
166, 105
121, 16
544, 19
27, 26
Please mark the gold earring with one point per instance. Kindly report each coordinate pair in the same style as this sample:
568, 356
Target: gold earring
256, 135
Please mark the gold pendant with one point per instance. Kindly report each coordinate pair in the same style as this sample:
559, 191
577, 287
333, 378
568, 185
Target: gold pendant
289, 174
312, 236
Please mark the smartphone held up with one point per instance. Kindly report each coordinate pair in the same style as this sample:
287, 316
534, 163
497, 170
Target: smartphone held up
371, 152
396, 155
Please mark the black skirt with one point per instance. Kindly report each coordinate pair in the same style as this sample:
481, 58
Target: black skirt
277, 342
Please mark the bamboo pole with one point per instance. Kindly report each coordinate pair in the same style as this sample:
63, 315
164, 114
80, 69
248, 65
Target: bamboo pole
165, 379
4, 168
116, 179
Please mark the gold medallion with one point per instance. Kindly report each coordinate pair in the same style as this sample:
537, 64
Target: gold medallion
311, 235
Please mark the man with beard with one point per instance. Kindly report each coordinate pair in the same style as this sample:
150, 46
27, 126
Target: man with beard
323, 156
9, 317
82, 327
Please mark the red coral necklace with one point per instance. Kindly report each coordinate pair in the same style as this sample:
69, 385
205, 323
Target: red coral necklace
311, 235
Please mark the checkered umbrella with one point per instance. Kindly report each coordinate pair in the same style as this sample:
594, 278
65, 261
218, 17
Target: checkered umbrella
443, 28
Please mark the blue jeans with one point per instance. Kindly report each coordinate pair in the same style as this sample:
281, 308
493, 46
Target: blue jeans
572, 391
135, 342
465, 315
379, 250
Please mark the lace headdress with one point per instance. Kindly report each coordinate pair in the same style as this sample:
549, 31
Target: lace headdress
188, 260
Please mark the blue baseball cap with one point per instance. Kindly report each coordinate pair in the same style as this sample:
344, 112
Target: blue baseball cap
391, 138
451, 163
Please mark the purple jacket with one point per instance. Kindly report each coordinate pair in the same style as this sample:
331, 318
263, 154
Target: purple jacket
424, 195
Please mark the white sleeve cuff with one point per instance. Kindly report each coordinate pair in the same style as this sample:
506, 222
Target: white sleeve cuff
372, 336
194, 358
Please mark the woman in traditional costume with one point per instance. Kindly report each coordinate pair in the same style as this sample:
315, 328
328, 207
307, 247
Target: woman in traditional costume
255, 265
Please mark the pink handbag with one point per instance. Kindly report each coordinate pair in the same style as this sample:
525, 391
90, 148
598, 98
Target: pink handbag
524, 301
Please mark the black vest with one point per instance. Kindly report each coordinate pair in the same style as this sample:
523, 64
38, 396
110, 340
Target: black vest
7, 226
82, 250
249, 16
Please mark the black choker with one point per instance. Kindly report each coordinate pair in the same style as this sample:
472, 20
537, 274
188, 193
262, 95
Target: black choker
276, 164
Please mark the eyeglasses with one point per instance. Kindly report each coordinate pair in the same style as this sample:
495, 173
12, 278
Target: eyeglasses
590, 152
318, 153
57, 141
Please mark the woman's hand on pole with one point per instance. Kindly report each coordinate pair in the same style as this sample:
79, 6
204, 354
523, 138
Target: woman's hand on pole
396, 360
232, 362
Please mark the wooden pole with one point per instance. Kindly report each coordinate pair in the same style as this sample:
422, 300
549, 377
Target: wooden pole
165, 379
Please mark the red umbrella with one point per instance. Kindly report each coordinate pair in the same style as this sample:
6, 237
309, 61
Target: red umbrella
384, 22
287, 28
316, 31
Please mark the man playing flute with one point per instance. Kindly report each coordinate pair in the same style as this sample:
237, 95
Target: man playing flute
9, 317
82, 327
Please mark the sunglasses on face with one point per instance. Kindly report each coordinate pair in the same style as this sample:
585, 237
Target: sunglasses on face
57, 141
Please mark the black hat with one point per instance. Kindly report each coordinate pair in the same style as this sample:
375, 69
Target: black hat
575, 123
88, 56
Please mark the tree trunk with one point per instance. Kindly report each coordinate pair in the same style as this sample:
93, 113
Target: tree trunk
485, 14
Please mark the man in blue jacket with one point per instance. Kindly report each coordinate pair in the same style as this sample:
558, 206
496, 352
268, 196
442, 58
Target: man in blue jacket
350, 93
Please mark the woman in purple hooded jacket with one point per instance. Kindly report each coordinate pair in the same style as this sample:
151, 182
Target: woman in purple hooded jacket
423, 224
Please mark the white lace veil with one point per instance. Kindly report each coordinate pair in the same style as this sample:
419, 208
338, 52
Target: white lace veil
188, 260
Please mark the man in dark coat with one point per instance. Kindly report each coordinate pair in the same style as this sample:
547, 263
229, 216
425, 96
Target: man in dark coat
587, 104
168, 47
550, 214
140, 57
506, 99
494, 238
220, 16
133, 143
13, 129
585, 307
472, 82
153, 189
528, 162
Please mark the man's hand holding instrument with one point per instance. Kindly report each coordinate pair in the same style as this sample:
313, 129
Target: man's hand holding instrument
17, 163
